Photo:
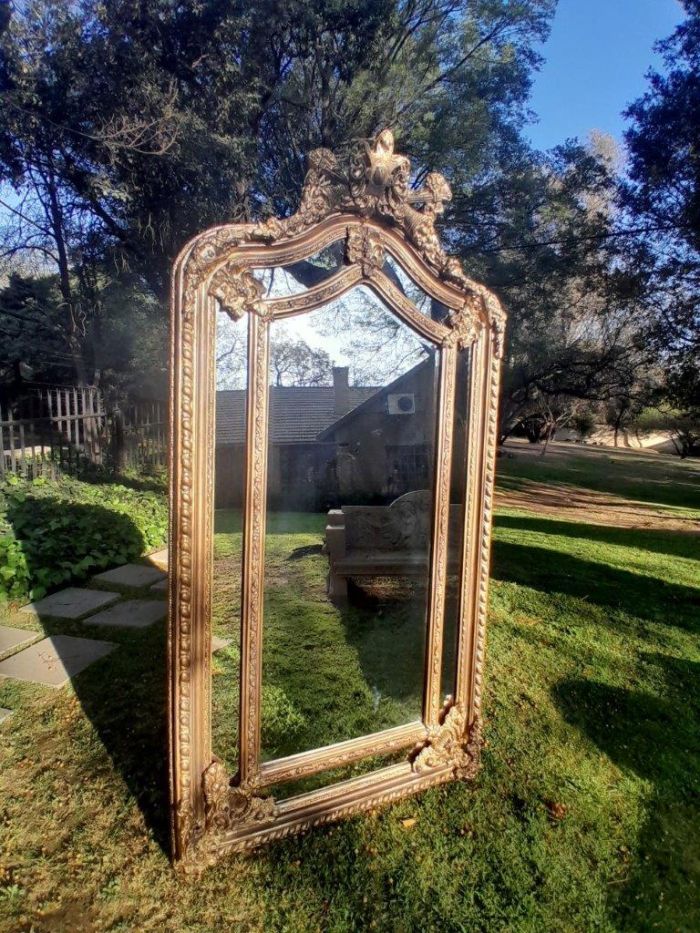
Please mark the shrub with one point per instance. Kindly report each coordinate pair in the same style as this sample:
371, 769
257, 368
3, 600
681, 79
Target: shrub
56, 532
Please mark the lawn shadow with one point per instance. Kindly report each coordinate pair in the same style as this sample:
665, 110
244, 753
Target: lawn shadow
306, 551
123, 693
676, 543
659, 484
657, 740
387, 626
550, 571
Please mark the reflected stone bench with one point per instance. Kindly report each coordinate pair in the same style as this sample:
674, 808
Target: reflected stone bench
381, 540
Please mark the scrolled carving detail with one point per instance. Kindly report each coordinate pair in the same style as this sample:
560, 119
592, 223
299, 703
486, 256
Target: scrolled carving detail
464, 326
371, 180
496, 317
445, 746
237, 291
227, 807
364, 248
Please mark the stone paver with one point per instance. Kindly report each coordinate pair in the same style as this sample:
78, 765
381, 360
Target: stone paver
159, 559
4, 713
160, 587
71, 603
132, 613
217, 644
130, 575
11, 638
53, 661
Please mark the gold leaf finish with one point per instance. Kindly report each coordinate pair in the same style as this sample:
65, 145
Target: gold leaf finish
361, 197
364, 247
237, 291
446, 746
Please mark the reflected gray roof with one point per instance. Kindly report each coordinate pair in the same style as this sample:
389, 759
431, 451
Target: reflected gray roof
298, 414
326, 434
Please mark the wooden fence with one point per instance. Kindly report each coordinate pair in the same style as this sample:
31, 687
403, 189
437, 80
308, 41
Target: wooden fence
52, 430
139, 435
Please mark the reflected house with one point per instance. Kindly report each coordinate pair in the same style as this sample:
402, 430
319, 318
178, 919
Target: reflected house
335, 444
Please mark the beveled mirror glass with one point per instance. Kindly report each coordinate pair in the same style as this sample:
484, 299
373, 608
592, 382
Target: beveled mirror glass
334, 381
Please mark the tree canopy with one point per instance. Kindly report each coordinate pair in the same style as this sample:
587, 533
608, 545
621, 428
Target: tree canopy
126, 127
663, 196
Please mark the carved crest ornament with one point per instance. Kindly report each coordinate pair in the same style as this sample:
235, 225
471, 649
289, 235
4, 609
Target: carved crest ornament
365, 200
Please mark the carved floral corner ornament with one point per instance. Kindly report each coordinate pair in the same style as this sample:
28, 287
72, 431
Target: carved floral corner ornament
237, 291
226, 807
452, 744
363, 199
446, 745
370, 180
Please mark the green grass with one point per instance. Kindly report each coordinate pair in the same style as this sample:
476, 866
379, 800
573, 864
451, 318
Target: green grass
355, 685
663, 481
584, 816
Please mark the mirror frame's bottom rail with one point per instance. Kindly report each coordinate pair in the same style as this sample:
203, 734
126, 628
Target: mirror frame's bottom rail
316, 808
339, 754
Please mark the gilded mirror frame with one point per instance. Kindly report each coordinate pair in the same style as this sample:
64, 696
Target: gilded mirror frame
363, 198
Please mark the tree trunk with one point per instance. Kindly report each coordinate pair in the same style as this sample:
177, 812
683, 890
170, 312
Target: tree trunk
118, 442
71, 310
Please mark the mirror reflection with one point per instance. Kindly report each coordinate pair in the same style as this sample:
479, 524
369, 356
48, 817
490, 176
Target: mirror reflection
297, 277
352, 423
458, 488
229, 478
431, 307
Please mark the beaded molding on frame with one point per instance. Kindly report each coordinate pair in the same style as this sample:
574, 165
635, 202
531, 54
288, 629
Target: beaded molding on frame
366, 199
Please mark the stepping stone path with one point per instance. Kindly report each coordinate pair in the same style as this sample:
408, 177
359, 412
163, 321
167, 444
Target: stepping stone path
159, 559
71, 603
132, 613
133, 576
13, 638
53, 661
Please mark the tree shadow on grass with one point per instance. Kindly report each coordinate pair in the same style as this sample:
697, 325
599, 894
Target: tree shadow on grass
550, 571
658, 740
122, 694
677, 543
644, 489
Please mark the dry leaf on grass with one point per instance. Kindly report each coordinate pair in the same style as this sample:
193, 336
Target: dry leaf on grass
556, 811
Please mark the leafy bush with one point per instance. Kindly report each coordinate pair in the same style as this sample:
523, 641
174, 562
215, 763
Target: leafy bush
56, 532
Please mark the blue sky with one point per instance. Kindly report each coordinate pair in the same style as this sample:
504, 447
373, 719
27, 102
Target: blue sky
595, 61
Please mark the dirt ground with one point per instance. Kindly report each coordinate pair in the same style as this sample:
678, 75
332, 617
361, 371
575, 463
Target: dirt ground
564, 498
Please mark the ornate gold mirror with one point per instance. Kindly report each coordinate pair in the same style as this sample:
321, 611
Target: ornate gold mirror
334, 385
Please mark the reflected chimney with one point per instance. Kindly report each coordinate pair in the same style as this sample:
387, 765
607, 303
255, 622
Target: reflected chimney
341, 386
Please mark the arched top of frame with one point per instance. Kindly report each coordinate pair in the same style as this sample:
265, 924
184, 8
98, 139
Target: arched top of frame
364, 196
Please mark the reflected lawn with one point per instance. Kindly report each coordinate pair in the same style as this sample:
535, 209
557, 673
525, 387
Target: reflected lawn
330, 671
